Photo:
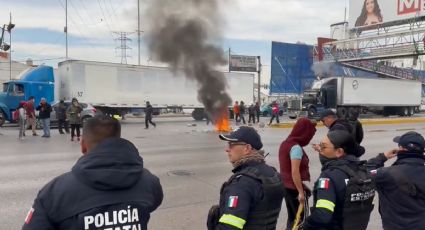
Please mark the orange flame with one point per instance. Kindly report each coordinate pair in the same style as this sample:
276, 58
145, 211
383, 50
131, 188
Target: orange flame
222, 123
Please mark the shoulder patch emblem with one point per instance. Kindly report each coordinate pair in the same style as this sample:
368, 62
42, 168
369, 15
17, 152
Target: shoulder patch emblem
233, 202
323, 183
373, 172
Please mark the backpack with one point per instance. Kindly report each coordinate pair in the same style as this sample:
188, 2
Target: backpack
358, 201
15, 115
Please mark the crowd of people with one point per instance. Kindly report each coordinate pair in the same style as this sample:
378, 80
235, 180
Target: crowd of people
108, 187
239, 110
26, 118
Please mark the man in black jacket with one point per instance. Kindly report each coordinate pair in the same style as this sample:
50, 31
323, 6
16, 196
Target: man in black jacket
252, 197
330, 120
107, 188
148, 115
44, 115
401, 187
61, 116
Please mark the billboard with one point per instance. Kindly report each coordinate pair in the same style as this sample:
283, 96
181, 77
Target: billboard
291, 68
243, 63
365, 13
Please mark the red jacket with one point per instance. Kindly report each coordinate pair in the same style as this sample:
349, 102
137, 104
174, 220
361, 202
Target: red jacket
301, 134
236, 109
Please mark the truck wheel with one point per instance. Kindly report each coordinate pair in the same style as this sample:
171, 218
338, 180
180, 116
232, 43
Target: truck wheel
2, 118
265, 114
198, 114
312, 112
411, 111
342, 112
404, 111
417, 110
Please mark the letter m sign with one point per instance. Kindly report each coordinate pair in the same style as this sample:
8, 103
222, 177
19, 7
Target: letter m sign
408, 6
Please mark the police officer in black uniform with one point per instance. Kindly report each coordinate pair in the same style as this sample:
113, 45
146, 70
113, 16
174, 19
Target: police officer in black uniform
338, 152
252, 197
107, 188
401, 187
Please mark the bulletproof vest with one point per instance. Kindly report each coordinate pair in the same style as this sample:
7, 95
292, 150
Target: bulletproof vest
266, 212
358, 199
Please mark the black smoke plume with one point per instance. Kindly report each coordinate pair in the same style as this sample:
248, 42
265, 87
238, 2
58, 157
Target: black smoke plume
182, 33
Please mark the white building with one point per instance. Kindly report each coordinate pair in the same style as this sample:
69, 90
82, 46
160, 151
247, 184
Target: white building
17, 68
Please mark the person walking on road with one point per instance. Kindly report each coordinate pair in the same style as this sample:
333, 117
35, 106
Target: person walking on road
107, 188
73, 113
242, 109
31, 119
22, 118
294, 166
251, 113
257, 111
44, 115
61, 116
252, 197
148, 115
275, 113
236, 111
401, 187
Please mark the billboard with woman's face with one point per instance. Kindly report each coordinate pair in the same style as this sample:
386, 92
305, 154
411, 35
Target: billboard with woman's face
371, 12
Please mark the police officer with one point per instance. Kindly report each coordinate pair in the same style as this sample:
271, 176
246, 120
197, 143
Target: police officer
252, 197
330, 120
107, 188
401, 187
337, 156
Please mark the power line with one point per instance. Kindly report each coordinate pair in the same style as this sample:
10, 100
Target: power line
77, 28
109, 14
106, 21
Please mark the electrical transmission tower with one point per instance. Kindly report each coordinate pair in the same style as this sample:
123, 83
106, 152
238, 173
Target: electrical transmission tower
123, 40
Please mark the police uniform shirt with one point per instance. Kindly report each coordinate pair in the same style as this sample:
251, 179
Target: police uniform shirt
329, 192
236, 200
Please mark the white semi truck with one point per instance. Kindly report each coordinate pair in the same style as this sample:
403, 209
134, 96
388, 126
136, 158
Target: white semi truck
379, 95
117, 88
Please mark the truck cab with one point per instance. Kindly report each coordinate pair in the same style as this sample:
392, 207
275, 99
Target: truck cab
321, 96
37, 82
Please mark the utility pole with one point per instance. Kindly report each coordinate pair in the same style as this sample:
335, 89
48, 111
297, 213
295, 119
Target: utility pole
259, 80
66, 29
230, 56
123, 39
10, 41
138, 31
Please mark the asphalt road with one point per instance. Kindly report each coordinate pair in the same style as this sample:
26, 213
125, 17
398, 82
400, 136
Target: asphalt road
189, 160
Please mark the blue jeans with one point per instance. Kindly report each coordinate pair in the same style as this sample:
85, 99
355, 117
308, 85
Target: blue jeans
46, 126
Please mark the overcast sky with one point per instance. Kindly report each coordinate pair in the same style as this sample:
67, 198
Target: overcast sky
251, 25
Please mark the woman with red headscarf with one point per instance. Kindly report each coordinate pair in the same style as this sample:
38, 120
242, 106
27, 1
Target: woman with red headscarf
294, 165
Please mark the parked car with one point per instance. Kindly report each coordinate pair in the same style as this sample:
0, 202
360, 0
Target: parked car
88, 111
266, 110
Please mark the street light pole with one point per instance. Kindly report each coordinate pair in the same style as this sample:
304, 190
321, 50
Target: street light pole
10, 41
66, 29
138, 31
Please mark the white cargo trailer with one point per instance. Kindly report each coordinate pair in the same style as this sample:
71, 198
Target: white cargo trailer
381, 95
117, 88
